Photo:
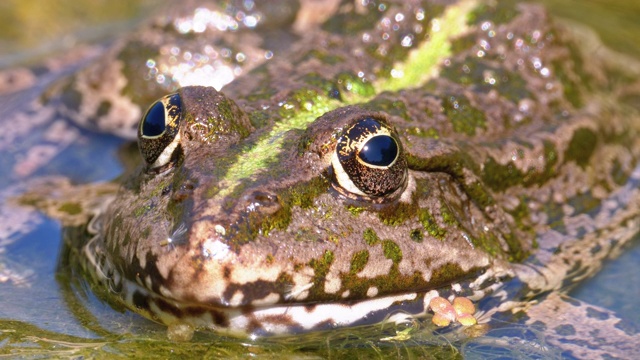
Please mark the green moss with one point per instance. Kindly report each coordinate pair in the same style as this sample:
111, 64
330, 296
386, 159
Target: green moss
430, 225
269, 259
550, 161
619, 176
325, 56
416, 235
301, 195
225, 122
430, 50
321, 269
581, 147
454, 164
391, 251
487, 242
355, 210
428, 133
516, 250
326, 86
71, 208
258, 118
334, 238
464, 117
398, 213
479, 194
359, 261
370, 237
300, 101
447, 215
145, 232
389, 103
585, 203
212, 191
572, 86
499, 12
474, 72
555, 215
500, 177
521, 214
444, 274
463, 43
348, 83
304, 194
141, 210
321, 266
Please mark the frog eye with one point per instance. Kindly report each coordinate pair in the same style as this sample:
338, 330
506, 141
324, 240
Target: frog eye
369, 160
158, 135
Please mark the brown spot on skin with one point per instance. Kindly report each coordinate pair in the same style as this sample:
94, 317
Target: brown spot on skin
253, 326
133, 270
248, 310
327, 324
166, 307
140, 301
258, 289
282, 319
226, 273
195, 311
219, 318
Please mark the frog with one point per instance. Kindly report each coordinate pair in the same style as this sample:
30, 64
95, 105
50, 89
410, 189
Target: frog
465, 151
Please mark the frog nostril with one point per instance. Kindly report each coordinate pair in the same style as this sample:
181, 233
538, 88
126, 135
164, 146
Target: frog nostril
265, 197
262, 201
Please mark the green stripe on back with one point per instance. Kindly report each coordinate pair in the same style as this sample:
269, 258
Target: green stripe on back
420, 66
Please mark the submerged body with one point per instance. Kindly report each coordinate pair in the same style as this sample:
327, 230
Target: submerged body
391, 155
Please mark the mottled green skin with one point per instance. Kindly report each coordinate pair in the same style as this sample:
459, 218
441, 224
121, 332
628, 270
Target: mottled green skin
498, 172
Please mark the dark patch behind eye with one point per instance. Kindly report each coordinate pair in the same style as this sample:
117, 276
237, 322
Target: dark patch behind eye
379, 151
154, 121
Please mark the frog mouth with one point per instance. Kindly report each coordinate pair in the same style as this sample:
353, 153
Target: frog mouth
272, 319
281, 319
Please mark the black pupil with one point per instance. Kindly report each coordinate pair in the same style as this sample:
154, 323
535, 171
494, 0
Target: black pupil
153, 123
380, 150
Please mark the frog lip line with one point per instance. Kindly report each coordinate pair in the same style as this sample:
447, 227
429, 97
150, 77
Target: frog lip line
273, 319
